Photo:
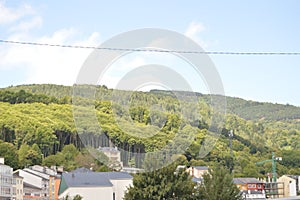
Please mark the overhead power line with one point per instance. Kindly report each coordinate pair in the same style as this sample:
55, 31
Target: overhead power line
153, 50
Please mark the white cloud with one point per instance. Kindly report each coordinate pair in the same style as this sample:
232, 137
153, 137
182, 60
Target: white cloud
193, 31
50, 64
28, 25
42, 64
9, 15
125, 64
59, 36
194, 28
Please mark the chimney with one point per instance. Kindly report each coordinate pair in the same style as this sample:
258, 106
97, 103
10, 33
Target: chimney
2, 160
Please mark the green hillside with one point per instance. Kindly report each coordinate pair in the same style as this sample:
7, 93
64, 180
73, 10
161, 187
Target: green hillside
258, 110
250, 110
40, 117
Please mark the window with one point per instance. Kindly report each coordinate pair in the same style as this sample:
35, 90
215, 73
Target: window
251, 185
259, 186
5, 190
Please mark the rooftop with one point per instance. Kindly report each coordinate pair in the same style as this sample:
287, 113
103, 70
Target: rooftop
116, 175
245, 180
201, 167
293, 176
108, 149
83, 177
86, 180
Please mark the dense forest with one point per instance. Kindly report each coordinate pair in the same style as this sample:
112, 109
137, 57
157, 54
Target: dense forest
37, 126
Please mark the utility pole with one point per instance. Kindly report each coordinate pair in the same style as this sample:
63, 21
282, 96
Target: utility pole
230, 134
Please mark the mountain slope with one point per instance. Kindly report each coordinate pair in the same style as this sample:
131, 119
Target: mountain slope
43, 115
246, 109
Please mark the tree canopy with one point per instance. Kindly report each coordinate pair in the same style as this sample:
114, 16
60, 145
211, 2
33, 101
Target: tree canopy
218, 185
36, 123
165, 183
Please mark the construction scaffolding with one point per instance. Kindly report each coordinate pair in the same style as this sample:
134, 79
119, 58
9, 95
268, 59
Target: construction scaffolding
274, 189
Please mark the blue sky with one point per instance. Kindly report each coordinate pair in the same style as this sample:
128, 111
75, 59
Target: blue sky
246, 26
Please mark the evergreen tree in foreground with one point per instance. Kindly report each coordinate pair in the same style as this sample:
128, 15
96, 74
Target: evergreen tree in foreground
218, 185
166, 183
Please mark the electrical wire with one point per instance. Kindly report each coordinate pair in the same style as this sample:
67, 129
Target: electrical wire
154, 50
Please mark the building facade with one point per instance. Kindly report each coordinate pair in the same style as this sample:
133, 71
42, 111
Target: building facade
52, 178
254, 195
17, 187
249, 184
6, 181
33, 185
39, 183
93, 185
290, 185
197, 171
114, 156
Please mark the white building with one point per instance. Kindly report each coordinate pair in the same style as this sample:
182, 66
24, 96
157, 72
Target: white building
35, 185
51, 176
254, 195
114, 156
17, 187
39, 182
197, 171
291, 185
132, 170
6, 181
95, 185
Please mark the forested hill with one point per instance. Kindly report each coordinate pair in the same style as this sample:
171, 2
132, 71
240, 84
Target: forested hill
39, 119
246, 109
261, 110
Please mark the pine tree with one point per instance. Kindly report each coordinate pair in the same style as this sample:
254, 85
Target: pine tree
165, 183
218, 185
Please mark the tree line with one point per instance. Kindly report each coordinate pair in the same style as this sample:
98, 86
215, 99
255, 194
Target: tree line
42, 124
